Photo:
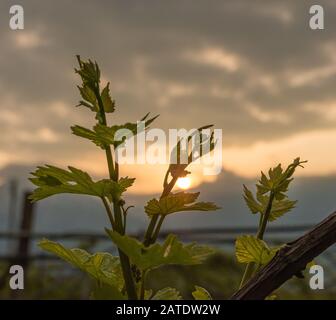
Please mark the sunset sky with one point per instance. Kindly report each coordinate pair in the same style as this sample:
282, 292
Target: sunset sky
252, 68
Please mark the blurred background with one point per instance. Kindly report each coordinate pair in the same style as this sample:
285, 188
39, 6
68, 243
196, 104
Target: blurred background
252, 68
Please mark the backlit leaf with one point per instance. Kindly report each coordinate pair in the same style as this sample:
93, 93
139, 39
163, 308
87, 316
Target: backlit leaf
89, 98
253, 205
89, 72
101, 266
103, 136
201, 294
251, 249
277, 184
278, 180
170, 252
109, 104
177, 202
184, 152
52, 180
167, 294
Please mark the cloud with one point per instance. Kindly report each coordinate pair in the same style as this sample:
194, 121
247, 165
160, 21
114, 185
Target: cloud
28, 40
10, 117
41, 135
324, 109
314, 146
252, 68
268, 116
313, 75
216, 57
4, 159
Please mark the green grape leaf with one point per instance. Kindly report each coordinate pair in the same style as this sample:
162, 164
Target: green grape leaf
201, 294
279, 207
108, 103
167, 294
52, 180
89, 98
91, 135
202, 145
252, 203
251, 249
177, 202
124, 183
101, 266
89, 72
277, 184
170, 252
278, 180
103, 136
89, 91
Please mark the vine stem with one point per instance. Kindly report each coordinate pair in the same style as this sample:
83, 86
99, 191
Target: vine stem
118, 224
150, 230
153, 228
261, 231
158, 227
109, 212
260, 235
155, 224
291, 260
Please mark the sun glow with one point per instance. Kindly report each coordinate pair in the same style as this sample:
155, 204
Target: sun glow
184, 183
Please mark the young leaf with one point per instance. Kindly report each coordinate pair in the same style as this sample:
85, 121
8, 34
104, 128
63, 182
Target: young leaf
89, 72
91, 135
170, 252
103, 136
278, 180
251, 249
177, 202
279, 207
89, 98
253, 205
203, 144
201, 294
101, 266
109, 104
277, 183
167, 294
51, 180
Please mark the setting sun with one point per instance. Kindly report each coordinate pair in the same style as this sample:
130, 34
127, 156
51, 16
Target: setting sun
184, 183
